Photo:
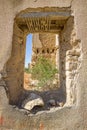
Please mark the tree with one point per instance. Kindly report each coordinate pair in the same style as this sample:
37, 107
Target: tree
44, 71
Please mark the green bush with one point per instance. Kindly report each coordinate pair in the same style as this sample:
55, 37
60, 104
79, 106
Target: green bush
44, 71
27, 70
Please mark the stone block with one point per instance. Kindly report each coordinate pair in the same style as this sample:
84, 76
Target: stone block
73, 52
71, 66
32, 101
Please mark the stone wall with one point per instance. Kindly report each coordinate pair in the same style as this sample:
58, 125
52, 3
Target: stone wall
70, 118
70, 60
15, 66
44, 45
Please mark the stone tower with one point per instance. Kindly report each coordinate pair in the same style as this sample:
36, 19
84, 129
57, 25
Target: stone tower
44, 45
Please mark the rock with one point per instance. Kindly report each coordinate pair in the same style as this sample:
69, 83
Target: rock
52, 102
71, 58
70, 75
32, 101
74, 41
71, 66
55, 81
34, 82
61, 104
74, 52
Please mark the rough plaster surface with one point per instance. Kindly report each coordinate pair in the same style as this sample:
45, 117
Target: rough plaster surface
68, 118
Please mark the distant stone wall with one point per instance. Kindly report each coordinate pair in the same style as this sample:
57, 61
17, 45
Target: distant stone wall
44, 44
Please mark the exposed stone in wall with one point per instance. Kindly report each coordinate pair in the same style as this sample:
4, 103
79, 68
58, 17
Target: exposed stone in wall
64, 46
73, 62
69, 59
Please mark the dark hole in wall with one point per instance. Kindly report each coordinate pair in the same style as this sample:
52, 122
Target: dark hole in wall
43, 51
37, 51
48, 50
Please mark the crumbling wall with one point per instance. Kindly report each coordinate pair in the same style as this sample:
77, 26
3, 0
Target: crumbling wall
70, 118
15, 66
44, 44
69, 60
64, 46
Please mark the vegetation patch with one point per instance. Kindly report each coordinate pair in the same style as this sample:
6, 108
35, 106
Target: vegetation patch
44, 71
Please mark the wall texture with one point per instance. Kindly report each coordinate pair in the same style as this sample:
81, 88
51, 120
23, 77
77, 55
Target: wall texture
46, 46
67, 118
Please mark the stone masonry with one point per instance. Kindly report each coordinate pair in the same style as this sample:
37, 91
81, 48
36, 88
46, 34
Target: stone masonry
68, 19
44, 45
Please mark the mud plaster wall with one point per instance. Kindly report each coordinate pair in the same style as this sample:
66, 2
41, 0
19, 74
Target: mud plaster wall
15, 66
74, 118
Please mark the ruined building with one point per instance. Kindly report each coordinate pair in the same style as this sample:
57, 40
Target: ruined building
45, 45
68, 19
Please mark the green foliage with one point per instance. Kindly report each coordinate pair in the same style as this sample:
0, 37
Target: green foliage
44, 71
27, 70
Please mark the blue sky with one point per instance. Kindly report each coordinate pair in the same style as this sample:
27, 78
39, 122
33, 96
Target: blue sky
28, 50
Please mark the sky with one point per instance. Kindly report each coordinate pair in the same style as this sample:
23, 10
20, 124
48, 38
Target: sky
28, 50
